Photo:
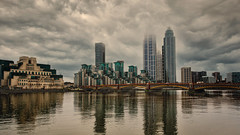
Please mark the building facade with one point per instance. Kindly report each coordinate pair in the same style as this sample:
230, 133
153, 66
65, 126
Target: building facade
233, 77
209, 79
169, 57
132, 74
105, 75
159, 76
28, 74
217, 76
149, 55
4, 66
119, 69
197, 76
99, 54
186, 75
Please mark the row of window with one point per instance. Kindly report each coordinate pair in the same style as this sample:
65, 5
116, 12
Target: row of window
34, 84
23, 80
33, 73
22, 83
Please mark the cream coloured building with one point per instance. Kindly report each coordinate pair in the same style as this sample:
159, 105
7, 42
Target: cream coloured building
28, 74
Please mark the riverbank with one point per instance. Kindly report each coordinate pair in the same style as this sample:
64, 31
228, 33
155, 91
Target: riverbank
6, 92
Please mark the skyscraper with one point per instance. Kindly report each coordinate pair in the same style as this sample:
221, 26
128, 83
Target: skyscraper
169, 57
149, 55
186, 75
99, 53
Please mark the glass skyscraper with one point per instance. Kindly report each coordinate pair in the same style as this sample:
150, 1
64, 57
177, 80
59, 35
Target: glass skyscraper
99, 54
149, 55
169, 57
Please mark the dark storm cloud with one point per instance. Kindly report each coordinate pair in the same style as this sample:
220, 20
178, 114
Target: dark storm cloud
63, 33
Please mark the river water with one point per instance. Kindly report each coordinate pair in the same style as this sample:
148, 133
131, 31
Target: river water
135, 113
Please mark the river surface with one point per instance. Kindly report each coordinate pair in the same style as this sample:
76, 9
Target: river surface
168, 112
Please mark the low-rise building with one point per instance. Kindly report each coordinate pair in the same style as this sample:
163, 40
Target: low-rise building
209, 79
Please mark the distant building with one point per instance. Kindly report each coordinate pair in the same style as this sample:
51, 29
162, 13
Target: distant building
99, 54
197, 76
27, 74
233, 77
217, 76
186, 75
105, 75
77, 79
159, 72
119, 69
208, 79
169, 57
132, 72
149, 55
4, 66
68, 85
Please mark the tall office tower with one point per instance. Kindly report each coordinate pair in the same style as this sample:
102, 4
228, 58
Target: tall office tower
169, 57
186, 75
159, 75
149, 55
99, 54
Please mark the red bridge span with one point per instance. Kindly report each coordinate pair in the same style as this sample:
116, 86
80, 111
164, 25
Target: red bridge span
156, 86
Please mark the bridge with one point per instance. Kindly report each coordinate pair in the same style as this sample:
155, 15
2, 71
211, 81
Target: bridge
158, 86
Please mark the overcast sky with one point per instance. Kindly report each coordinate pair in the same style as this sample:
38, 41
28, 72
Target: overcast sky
62, 33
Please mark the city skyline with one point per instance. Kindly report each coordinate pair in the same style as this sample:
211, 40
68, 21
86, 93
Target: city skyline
63, 34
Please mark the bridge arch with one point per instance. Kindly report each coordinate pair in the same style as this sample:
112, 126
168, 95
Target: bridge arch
133, 86
172, 86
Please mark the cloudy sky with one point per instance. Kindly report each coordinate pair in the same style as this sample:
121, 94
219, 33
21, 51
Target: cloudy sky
62, 33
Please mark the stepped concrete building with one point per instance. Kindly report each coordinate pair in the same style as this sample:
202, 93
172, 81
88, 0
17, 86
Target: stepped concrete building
27, 74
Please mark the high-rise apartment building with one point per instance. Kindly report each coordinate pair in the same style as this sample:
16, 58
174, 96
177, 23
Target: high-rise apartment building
119, 68
169, 57
149, 55
186, 75
159, 76
99, 53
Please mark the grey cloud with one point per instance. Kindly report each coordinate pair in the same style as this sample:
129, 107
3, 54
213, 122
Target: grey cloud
63, 33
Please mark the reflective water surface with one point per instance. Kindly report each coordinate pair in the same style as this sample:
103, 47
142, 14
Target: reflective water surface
168, 112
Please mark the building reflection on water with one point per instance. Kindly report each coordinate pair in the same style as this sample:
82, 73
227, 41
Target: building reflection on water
159, 111
25, 108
